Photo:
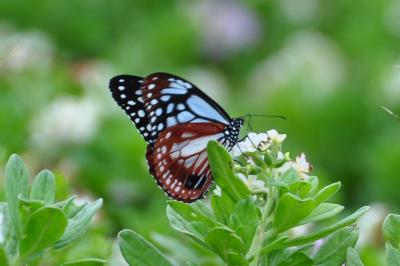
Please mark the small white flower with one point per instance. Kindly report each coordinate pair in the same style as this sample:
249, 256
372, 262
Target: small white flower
253, 183
249, 144
258, 141
275, 137
217, 191
301, 166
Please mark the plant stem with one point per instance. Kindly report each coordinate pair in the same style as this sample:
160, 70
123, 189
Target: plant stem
259, 239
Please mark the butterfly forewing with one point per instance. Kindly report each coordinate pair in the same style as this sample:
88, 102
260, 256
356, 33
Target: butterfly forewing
170, 100
127, 92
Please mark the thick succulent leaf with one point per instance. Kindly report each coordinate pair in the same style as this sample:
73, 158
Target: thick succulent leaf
16, 184
78, 224
352, 258
334, 250
322, 212
43, 187
45, 226
291, 210
221, 166
391, 230
322, 232
138, 251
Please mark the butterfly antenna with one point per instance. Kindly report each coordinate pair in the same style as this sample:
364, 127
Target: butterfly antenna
259, 115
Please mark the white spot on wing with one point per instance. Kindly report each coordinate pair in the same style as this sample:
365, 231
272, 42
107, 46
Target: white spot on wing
197, 145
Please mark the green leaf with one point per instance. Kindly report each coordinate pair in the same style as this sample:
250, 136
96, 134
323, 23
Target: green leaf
300, 188
30, 204
333, 251
301, 240
221, 166
277, 244
195, 230
199, 218
244, 220
327, 192
43, 187
352, 258
223, 207
3, 257
322, 212
78, 224
227, 245
297, 259
137, 251
313, 180
171, 244
196, 211
392, 255
291, 210
289, 177
44, 227
86, 262
16, 183
391, 230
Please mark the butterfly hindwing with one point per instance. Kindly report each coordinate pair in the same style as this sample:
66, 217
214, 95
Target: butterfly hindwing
178, 160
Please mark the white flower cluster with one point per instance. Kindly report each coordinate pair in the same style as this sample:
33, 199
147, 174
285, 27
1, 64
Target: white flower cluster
265, 142
258, 141
300, 165
67, 120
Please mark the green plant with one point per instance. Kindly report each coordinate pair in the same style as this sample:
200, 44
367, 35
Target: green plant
252, 219
33, 224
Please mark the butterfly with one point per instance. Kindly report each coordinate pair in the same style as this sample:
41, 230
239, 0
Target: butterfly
177, 120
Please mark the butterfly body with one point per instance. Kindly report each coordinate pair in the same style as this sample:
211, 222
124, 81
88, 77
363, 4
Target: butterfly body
177, 120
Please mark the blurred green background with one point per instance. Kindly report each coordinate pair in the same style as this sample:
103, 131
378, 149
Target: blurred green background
328, 66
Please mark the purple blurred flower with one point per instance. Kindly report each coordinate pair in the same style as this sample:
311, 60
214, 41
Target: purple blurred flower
225, 26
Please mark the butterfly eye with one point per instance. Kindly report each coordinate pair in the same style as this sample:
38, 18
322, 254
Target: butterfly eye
177, 120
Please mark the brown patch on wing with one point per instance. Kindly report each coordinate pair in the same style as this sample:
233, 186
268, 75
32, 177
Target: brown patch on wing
178, 159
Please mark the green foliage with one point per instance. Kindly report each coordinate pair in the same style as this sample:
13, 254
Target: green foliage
33, 225
252, 223
391, 233
137, 251
352, 258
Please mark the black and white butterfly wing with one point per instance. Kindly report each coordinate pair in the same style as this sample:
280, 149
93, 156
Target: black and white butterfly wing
127, 92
